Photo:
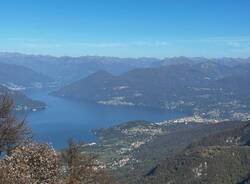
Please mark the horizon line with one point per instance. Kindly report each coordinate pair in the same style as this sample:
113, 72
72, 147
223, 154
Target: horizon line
110, 56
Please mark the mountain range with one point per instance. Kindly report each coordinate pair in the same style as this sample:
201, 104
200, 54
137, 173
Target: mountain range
212, 88
68, 69
208, 89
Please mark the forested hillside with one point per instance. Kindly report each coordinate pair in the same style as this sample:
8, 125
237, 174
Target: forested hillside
218, 158
208, 89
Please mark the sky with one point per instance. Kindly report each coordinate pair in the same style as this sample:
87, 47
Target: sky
126, 28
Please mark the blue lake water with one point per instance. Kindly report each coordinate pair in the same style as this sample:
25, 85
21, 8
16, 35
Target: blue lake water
64, 118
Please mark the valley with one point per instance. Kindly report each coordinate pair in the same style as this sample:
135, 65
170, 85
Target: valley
141, 119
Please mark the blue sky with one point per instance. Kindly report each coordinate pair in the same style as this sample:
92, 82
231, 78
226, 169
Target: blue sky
126, 28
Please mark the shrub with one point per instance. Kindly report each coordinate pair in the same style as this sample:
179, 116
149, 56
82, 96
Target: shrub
32, 163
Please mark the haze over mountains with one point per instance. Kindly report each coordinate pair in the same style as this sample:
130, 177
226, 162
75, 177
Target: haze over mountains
201, 86
69, 69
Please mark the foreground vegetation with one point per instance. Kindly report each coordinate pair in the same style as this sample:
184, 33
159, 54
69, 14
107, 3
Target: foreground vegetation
27, 162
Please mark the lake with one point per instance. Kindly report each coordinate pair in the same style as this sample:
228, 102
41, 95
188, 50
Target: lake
64, 118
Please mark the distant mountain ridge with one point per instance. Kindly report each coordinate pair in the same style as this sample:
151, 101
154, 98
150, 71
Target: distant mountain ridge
69, 69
